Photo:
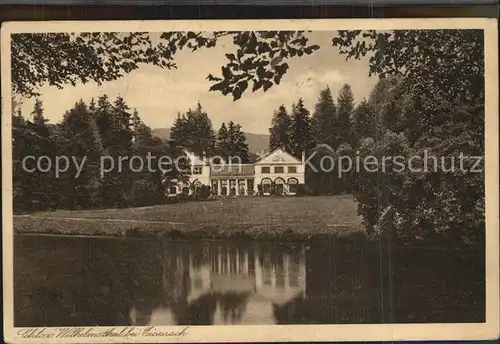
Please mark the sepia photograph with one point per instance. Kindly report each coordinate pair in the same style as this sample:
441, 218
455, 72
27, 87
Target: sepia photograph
196, 180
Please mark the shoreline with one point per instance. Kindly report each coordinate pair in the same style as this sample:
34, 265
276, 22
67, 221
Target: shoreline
158, 230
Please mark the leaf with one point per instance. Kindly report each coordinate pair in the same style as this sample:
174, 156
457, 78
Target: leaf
256, 85
231, 57
267, 85
242, 85
237, 94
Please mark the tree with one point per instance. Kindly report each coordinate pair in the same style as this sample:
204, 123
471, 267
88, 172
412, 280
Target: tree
363, 122
231, 143
442, 59
194, 131
238, 141
301, 138
345, 107
280, 130
324, 120
32, 190
223, 143
449, 61
75, 138
259, 58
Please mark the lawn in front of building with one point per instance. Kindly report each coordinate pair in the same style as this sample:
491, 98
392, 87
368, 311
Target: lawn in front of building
252, 216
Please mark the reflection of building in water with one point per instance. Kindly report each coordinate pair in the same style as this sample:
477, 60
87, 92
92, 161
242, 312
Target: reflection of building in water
242, 283
271, 276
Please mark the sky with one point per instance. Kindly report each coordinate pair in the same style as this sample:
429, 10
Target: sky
159, 94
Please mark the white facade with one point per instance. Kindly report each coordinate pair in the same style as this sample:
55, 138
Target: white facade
278, 172
280, 169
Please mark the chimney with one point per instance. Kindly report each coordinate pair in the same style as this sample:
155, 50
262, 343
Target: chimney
303, 157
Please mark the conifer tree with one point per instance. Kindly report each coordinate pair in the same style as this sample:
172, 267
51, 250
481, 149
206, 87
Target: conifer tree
238, 142
223, 143
280, 130
324, 119
345, 107
194, 132
301, 138
363, 123
76, 139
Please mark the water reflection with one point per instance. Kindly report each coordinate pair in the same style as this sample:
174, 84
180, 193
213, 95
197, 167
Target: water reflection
82, 281
216, 283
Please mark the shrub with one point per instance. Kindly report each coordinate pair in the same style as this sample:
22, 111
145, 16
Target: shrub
304, 190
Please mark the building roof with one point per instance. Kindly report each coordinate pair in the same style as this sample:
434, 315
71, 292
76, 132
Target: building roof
278, 156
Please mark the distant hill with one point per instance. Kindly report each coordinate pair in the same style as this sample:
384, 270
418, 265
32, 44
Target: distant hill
256, 142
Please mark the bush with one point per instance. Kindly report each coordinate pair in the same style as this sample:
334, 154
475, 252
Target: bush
202, 193
304, 190
145, 193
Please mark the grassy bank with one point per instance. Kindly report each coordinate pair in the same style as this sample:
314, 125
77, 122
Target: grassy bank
254, 217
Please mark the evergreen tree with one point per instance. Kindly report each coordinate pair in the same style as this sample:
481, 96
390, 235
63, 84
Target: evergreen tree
116, 131
178, 130
301, 139
148, 187
194, 131
363, 123
280, 130
345, 107
231, 143
42, 183
76, 139
32, 190
324, 119
223, 143
239, 146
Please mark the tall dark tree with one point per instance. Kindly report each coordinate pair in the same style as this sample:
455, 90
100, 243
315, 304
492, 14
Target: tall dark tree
223, 143
239, 146
324, 120
76, 139
280, 130
32, 190
301, 139
363, 123
116, 130
231, 143
194, 131
345, 107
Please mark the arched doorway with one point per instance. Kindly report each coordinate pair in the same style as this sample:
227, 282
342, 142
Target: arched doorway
293, 186
197, 186
279, 186
266, 184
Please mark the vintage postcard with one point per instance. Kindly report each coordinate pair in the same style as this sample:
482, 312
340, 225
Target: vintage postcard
250, 181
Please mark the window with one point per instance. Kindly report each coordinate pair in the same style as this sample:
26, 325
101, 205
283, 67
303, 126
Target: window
197, 170
293, 186
266, 169
215, 187
223, 187
250, 187
278, 169
172, 190
292, 169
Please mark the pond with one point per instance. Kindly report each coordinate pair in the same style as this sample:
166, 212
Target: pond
69, 281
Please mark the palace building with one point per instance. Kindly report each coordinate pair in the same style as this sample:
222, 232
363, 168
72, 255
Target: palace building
277, 172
